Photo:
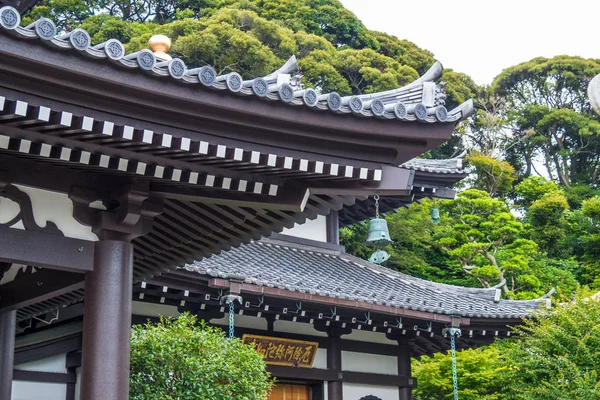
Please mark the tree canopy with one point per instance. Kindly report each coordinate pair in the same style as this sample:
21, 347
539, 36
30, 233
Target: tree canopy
181, 359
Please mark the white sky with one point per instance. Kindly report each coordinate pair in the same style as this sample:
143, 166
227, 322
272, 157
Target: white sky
482, 37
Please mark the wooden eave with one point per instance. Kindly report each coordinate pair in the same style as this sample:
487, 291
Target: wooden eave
36, 69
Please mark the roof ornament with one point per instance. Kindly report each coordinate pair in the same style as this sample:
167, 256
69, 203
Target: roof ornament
160, 44
379, 236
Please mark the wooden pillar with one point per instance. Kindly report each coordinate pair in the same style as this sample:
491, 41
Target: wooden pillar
107, 323
8, 324
404, 367
333, 227
334, 363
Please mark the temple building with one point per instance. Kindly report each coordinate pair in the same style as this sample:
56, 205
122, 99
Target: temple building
134, 185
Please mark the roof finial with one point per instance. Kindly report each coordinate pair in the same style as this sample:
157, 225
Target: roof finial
160, 44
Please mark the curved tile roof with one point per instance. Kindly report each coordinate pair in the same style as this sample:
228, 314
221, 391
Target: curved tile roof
422, 100
324, 272
448, 166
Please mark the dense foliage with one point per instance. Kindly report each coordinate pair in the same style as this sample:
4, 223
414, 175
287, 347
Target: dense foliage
180, 359
554, 356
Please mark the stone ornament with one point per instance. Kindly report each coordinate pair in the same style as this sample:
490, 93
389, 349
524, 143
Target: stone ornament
146, 59
334, 101
114, 49
441, 113
9, 18
45, 28
378, 107
310, 97
80, 39
420, 111
234, 82
207, 75
286, 92
177, 68
400, 110
260, 87
594, 93
355, 104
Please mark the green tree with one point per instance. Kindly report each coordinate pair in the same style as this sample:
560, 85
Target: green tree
557, 355
491, 175
179, 359
481, 375
551, 117
490, 244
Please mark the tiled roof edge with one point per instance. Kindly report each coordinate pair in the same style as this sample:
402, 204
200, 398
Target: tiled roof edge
422, 100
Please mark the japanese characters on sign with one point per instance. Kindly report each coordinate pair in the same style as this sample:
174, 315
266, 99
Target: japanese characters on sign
287, 352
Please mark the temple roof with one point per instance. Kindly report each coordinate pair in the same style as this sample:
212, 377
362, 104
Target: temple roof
422, 100
303, 268
438, 166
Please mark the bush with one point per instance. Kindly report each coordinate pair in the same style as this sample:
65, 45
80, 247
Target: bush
183, 360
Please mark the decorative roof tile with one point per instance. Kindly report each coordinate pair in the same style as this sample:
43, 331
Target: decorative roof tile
422, 100
291, 266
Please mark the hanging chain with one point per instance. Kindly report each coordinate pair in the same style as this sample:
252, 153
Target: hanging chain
376, 197
231, 318
454, 373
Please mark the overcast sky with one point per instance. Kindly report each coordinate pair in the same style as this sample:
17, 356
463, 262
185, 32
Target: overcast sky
482, 37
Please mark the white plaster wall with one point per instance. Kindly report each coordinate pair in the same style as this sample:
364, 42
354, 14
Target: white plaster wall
315, 229
51, 364
297, 327
153, 310
368, 336
325, 395
375, 363
23, 390
38, 391
58, 208
242, 321
78, 384
352, 391
320, 359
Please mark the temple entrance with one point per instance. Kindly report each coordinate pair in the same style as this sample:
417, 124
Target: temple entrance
290, 392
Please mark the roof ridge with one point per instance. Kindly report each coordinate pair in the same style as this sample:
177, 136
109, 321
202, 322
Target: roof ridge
422, 100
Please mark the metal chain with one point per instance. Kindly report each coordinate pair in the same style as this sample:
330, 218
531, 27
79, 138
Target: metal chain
454, 374
376, 197
231, 315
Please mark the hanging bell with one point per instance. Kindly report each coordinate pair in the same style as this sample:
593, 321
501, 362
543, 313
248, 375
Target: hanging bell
379, 235
435, 216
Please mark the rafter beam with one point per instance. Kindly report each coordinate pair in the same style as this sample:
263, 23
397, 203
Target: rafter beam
45, 250
394, 182
37, 287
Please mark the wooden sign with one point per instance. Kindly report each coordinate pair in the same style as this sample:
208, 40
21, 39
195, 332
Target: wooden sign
287, 352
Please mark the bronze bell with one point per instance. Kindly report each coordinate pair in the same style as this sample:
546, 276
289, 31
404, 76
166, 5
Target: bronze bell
379, 235
435, 216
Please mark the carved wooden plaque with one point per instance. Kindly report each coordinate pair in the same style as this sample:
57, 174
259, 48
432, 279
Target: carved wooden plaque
286, 352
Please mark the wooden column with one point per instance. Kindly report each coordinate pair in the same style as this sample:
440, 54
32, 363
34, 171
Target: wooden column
404, 367
107, 323
334, 363
333, 227
8, 323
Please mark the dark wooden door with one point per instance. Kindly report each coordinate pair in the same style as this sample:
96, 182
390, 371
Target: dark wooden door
290, 392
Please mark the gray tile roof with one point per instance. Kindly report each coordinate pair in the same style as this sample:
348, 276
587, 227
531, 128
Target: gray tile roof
325, 272
448, 166
422, 100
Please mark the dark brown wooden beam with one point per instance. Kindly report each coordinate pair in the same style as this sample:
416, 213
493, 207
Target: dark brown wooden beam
7, 347
40, 286
45, 377
394, 182
46, 251
288, 198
